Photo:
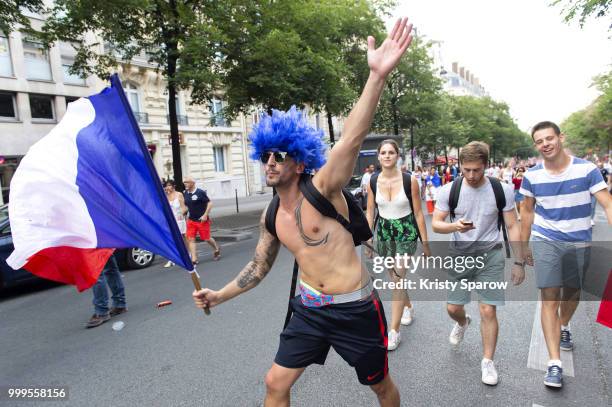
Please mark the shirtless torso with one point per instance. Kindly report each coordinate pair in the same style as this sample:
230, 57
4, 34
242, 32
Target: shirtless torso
322, 247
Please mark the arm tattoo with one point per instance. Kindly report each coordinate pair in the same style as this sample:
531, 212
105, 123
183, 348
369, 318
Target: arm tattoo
265, 254
306, 239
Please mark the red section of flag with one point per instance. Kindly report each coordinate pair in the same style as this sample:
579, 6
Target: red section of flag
604, 316
69, 265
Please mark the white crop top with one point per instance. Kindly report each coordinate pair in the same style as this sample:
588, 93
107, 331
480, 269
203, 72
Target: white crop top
396, 208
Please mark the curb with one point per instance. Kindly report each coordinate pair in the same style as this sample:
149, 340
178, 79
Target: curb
232, 235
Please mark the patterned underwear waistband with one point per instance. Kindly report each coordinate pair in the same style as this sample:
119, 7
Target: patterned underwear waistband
313, 298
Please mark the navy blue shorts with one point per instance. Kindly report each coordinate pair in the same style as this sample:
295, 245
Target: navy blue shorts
356, 330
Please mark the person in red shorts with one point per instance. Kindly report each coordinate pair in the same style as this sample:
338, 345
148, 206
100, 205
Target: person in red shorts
198, 222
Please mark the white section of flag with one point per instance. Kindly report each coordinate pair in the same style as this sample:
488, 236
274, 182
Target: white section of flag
45, 207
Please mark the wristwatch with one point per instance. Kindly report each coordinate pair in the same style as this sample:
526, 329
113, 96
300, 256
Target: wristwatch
520, 263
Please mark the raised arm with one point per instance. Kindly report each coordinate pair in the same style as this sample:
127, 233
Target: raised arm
255, 271
336, 173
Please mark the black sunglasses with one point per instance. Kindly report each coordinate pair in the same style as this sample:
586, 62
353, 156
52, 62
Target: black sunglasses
279, 156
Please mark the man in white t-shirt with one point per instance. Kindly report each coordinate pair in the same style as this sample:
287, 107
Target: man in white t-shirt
475, 233
365, 181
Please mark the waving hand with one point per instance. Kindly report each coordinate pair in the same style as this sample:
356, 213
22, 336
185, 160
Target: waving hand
383, 59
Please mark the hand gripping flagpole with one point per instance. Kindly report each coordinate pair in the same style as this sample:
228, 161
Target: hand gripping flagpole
195, 277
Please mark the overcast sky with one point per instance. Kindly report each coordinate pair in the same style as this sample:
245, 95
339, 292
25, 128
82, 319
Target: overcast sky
521, 50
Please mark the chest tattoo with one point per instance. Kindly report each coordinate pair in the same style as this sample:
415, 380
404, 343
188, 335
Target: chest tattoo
306, 239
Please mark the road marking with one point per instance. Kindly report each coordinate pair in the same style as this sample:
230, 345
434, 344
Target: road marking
538, 354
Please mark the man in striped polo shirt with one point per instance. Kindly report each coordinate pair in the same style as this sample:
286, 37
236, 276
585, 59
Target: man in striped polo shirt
556, 213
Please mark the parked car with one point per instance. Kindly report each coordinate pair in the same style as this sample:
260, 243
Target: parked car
354, 186
133, 258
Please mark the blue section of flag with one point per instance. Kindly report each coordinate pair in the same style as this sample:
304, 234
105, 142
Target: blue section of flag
117, 180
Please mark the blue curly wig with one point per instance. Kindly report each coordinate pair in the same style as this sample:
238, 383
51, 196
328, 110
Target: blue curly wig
289, 131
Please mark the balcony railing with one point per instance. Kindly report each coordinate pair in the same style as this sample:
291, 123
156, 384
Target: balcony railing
180, 118
217, 120
142, 117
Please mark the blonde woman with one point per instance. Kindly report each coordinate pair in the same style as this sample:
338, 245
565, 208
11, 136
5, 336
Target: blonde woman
177, 204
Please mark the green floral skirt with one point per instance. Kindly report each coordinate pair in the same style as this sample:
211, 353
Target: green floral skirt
396, 236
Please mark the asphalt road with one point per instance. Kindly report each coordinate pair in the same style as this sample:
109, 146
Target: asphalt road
177, 356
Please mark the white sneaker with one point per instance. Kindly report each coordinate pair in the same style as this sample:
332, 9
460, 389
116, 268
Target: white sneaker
592, 222
169, 264
407, 316
393, 340
489, 373
456, 335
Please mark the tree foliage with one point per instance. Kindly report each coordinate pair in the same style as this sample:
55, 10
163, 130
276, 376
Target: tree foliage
11, 15
583, 9
590, 129
461, 119
302, 53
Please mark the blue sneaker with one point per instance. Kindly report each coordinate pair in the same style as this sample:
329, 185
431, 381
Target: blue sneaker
554, 376
566, 340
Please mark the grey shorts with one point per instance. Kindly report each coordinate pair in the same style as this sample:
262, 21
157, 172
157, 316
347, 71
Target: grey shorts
492, 272
559, 264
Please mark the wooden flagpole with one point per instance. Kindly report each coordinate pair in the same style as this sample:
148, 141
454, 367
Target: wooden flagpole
196, 283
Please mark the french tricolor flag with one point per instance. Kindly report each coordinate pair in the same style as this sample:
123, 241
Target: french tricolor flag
87, 188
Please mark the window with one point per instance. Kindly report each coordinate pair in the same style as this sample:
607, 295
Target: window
318, 121
34, 12
181, 117
257, 115
42, 107
6, 66
36, 59
177, 103
8, 106
217, 113
70, 99
133, 97
219, 155
68, 53
131, 91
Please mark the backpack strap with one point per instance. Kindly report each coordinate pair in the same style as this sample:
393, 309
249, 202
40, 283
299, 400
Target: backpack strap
453, 197
373, 181
373, 185
316, 199
291, 293
271, 215
500, 200
407, 180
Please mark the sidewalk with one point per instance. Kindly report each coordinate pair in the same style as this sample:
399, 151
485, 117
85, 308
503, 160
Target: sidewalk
227, 225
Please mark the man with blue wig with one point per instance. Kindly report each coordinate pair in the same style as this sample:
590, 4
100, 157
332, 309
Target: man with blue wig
336, 306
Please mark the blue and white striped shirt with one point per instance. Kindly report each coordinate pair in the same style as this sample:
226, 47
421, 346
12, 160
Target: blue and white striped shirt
563, 201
